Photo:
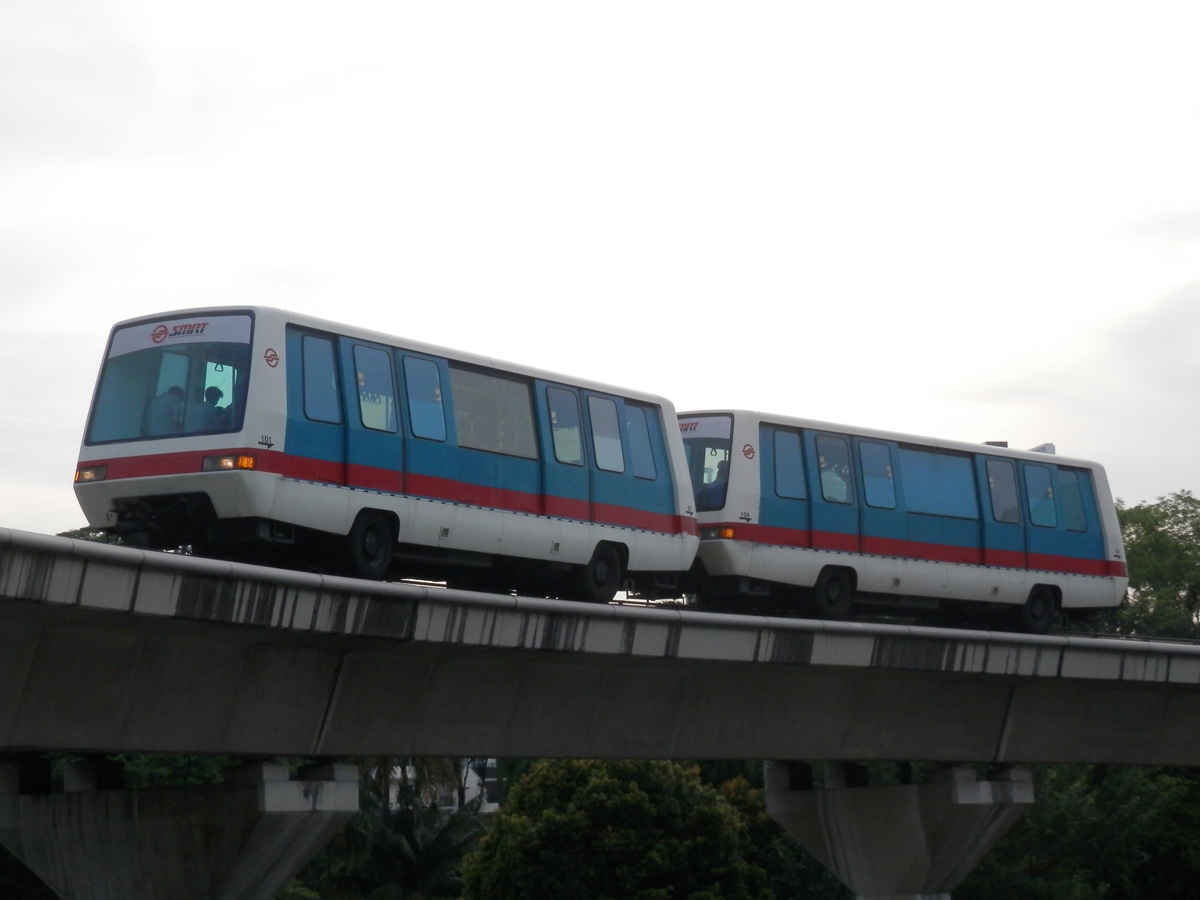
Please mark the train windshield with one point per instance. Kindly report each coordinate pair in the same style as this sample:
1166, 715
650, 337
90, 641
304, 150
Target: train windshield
706, 441
173, 377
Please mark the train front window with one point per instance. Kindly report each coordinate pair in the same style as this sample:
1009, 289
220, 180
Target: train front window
706, 442
171, 378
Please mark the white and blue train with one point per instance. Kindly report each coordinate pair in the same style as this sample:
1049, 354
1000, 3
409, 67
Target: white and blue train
838, 516
261, 434
239, 431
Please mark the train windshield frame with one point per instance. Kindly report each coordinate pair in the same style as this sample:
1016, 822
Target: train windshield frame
707, 441
173, 378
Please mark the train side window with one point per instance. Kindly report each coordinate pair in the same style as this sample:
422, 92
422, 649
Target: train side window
641, 450
789, 466
1002, 486
606, 434
1039, 491
423, 383
1071, 493
493, 413
565, 425
938, 483
322, 401
879, 486
833, 461
376, 390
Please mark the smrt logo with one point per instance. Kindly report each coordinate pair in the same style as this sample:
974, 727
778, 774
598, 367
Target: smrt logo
161, 332
685, 427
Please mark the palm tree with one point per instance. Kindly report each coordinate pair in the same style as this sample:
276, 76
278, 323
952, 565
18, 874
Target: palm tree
403, 846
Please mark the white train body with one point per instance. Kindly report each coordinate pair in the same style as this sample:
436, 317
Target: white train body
462, 463
783, 502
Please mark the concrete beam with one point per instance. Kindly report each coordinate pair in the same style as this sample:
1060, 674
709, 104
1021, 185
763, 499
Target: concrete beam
898, 842
240, 840
105, 650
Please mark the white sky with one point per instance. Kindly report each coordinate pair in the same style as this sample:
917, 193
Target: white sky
975, 221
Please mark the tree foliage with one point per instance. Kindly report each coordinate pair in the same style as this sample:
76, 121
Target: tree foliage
410, 853
87, 533
1098, 833
402, 846
626, 830
1162, 546
791, 871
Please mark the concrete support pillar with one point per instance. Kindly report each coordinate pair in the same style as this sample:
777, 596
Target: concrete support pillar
897, 842
240, 840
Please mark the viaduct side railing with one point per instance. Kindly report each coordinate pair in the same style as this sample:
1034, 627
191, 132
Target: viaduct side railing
109, 649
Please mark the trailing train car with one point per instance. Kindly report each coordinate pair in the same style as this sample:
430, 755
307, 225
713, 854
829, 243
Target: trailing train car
797, 509
260, 433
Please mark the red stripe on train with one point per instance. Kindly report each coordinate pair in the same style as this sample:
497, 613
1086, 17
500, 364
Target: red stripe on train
903, 549
394, 482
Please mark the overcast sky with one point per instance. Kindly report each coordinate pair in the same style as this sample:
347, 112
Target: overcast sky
974, 221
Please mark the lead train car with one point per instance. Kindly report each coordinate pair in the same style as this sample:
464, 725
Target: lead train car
795, 508
247, 432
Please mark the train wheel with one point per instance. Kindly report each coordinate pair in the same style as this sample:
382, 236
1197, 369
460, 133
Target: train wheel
598, 581
834, 594
370, 546
1038, 614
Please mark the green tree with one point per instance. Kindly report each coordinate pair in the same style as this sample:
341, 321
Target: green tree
87, 533
1162, 546
174, 769
1098, 833
626, 830
791, 870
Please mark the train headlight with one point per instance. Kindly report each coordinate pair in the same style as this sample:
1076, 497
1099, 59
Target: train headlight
231, 462
88, 474
719, 533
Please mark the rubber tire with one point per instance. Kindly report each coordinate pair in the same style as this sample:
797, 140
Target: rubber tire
833, 595
370, 546
601, 578
1039, 613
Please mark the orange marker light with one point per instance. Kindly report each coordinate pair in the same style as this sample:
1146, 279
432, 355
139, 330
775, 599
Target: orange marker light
242, 461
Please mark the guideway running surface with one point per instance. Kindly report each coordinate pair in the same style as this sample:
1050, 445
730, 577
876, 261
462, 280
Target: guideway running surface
109, 649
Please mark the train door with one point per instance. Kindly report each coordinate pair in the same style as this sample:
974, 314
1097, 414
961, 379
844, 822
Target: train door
784, 505
1083, 539
881, 513
1042, 535
429, 454
653, 481
609, 457
373, 449
1065, 534
316, 430
567, 476
1003, 527
831, 485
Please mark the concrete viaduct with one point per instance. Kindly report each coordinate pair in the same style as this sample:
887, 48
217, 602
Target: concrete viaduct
107, 650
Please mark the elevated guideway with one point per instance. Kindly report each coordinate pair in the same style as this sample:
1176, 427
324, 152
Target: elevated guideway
106, 649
